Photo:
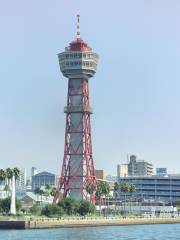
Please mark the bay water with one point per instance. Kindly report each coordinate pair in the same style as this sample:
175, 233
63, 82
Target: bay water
140, 232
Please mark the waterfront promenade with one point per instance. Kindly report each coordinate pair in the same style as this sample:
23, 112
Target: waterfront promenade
42, 223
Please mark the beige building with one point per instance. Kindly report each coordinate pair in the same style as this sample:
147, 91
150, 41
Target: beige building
100, 174
122, 170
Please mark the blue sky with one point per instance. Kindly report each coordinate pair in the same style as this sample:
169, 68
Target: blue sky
135, 93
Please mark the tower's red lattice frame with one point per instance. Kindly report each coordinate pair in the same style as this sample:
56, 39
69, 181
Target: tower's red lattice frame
67, 174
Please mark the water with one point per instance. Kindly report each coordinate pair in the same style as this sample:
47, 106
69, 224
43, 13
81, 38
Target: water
143, 232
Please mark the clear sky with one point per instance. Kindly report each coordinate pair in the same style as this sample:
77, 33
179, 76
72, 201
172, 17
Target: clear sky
135, 93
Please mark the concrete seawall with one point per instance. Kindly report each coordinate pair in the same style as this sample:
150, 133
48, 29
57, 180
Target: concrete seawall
69, 223
98, 222
12, 224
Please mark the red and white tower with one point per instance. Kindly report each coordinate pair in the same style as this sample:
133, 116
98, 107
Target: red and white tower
78, 63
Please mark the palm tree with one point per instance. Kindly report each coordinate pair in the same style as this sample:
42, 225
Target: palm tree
9, 175
116, 188
40, 192
47, 190
90, 188
53, 191
132, 188
103, 189
16, 172
7, 189
124, 187
37, 190
2, 175
48, 187
98, 195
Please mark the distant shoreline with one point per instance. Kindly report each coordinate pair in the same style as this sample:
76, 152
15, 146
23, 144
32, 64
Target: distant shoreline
89, 222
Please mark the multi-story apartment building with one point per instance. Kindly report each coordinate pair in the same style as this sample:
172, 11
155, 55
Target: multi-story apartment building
139, 167
134, 168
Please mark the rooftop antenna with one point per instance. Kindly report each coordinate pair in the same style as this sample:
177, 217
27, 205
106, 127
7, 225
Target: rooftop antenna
78, 34
127, 158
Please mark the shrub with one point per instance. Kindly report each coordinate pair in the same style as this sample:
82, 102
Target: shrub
52, 210
85, 208
6, 203
35, 210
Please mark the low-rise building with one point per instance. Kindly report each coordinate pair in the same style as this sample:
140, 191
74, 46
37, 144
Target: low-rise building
30, 198
111, 178
161, 171
100, 174
42, 179
154, 187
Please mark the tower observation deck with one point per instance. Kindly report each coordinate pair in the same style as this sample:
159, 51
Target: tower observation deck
78, 63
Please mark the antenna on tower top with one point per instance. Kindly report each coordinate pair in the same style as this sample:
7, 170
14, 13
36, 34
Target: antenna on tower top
78, 34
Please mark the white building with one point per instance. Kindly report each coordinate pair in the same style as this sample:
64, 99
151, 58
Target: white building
21, 181
34, 171
3, 194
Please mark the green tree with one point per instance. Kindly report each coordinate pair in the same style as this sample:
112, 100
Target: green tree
6, 188
90, 187
116, 189
2, 175
37, 191
5, 205
70, 205
40, 192
132, 189
124, 187
48, 187
18, 205
47, 190
16, 172
9, 174
53, 192
52, 210
103, 189
86, 208
35, 210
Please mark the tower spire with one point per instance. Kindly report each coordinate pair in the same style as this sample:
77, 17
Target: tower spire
78, 34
